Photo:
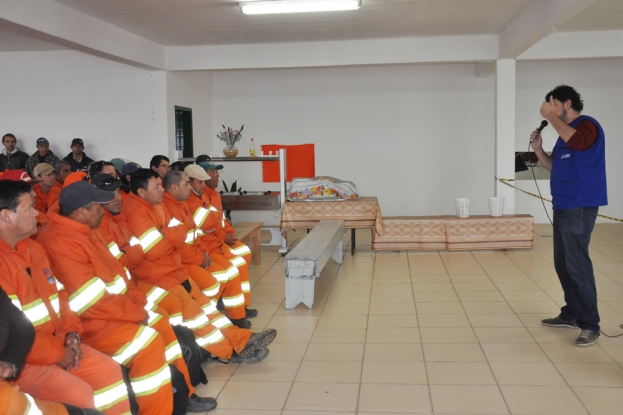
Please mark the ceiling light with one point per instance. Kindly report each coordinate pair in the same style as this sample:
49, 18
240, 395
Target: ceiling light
298, 6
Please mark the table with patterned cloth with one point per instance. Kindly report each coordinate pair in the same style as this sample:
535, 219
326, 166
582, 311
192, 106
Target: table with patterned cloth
363, 212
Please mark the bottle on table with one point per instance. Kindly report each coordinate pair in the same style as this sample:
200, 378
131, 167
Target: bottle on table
252, 151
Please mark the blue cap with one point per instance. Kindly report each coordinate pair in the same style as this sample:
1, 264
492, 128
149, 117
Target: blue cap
208, 165
41, 141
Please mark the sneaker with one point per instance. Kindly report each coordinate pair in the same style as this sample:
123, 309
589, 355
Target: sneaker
586, 338
251, 312
558, 322
256, 340
257, 355
199, 404
243, 323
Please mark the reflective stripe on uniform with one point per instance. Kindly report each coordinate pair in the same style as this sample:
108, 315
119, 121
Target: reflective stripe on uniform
36, 312
246, 287
212, 291
235, 301
149, 239
220, 322
154, 296
143, 338
114, 250
31, 407
210, 308
196, 323
87, 295
191, 236
134, 241
127, 273
148, 384
214, 337
153, 318
225, 275
109, 396
117, 286
174, 222
55, 304
176, 319
238, 261
200, 216
242, 250
15, 301
173, 351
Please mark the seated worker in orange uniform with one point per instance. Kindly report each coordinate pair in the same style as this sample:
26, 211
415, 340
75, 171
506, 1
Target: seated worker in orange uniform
59, 367
47, 188
112, 321
217, 277
16, 338
211, 222
161, 237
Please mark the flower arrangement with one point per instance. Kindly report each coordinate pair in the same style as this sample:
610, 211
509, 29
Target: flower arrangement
230, 136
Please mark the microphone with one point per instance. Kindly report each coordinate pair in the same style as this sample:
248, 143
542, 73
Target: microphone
544, 124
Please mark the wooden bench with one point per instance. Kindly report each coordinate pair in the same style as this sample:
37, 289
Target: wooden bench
249, 234
411, 233
305, 262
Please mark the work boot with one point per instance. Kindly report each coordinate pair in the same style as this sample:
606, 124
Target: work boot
243, 323
199, 404
558, 322
251, 312
256, 340
256, 355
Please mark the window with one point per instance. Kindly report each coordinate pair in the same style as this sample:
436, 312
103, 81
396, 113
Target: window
184, 130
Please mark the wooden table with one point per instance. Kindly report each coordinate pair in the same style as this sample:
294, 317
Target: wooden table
363, 212
249, 234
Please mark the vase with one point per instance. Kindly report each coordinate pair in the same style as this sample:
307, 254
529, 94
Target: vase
230, 151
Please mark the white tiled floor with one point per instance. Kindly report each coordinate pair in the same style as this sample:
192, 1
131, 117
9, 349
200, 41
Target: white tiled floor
430, 332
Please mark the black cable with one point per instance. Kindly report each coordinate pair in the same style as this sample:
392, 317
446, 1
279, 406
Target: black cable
618, 335
539, 190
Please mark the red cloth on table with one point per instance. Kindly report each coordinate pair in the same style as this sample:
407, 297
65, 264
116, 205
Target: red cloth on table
300, 162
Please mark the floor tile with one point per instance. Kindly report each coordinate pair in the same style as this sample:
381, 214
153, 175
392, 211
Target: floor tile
494, 320
459, 373
487, 307
448, 335
443, 320
394, 372
469, 352
257, 395
384, 398
542, 400
323, 397
407, 352
570, 353
395, 308
467, 399
516, 373
601, 401
339, 336
335, 352
293, 335
392, 321
509, 352
329, 372
503, 335
267, 370
393, 335
591, 374
439, 308
339, 322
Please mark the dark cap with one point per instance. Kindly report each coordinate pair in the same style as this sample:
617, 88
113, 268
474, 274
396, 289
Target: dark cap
106, 182
80, 194
201, 158
130, 168
77, 142
41, 141
208, 165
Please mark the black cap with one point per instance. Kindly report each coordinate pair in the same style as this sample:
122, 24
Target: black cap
106, 182
77, 142
80, 194
202, 158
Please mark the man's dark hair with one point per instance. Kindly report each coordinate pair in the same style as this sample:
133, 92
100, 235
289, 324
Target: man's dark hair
63, 163
139, 179
201, 158
96, 167
174, 177
563, 93
10, 192
8, 135
180, 165
156, 160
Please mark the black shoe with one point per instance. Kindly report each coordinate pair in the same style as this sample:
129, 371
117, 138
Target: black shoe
243, 323
587, 338
558, 322
251, 312
257, 355
220, 306
256, 340
199, 404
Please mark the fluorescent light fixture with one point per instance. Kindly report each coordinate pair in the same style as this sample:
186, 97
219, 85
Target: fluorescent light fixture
298, 6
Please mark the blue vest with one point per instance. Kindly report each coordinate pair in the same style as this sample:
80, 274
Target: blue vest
579, 177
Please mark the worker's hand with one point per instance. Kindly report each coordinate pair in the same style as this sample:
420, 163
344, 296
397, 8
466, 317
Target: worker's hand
210, 231
72, 342
548, 110
69, 360
230, 239
6, 370
207, 261
536, 141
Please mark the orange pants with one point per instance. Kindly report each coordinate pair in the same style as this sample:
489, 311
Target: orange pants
141, 350
225, 251
208, 335
14, 402
98, 383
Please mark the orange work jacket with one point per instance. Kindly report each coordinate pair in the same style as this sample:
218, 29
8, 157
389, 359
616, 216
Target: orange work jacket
27, 279
114, 230
208, 222
43, 201
160, 236
213, 197
191, 252
95, 291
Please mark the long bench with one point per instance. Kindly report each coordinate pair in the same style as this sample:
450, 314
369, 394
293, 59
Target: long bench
249, 234
305, 262
454, 234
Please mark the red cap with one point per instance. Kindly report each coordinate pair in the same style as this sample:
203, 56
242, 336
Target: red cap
16, 175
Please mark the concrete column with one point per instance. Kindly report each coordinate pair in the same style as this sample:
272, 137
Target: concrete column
505, 130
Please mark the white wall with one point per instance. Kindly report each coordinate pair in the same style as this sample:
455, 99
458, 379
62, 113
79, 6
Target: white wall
417, 137
191, 90
601, 85
118, 110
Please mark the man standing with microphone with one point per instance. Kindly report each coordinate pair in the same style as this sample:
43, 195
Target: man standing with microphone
578, 187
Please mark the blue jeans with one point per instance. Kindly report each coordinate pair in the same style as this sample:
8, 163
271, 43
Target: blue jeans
572, 234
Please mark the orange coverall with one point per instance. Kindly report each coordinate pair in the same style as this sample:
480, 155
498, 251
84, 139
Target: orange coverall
15, 402
29, 282
160, 237
221, 279
110, 318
